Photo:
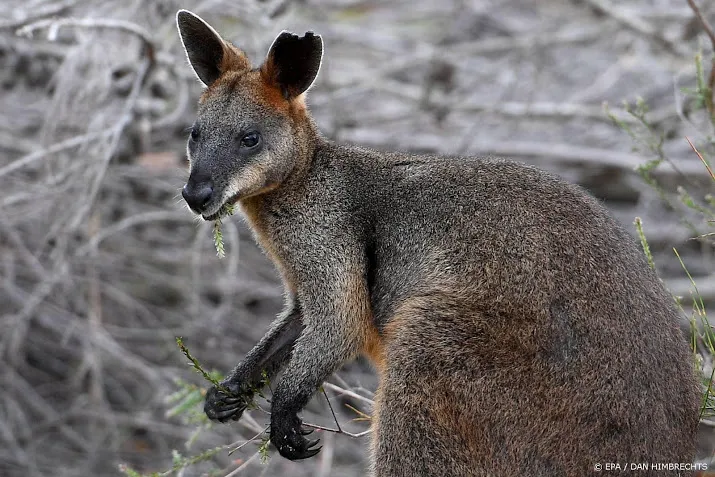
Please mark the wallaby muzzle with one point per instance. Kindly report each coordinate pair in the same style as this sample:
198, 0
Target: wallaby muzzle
198, 192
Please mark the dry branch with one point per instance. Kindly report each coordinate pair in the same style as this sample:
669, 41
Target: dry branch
23, 18
116, 132
582, 157
711, 34
466, 49
634, 23
587, 156
703, 22
348, 392
248, 462
53, 26
54, 149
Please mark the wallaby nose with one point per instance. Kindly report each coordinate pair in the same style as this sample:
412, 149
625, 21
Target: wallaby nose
197, 195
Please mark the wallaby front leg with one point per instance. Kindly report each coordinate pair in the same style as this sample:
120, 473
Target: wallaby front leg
336, 330
266, 358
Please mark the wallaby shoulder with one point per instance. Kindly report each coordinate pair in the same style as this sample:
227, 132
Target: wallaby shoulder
403, 190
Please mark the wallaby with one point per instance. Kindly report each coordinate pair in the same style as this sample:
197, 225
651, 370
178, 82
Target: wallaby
516, 327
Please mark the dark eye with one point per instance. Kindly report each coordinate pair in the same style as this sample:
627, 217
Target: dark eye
250, 139
195, 132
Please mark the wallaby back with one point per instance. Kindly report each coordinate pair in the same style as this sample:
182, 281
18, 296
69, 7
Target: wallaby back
515, 325
524, 331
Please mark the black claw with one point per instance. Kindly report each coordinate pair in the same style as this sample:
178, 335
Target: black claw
225, 414
287, 435
238, 405
218, 411
307, 454
310, 453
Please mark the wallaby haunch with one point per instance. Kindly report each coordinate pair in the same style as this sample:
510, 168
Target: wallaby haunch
516, 327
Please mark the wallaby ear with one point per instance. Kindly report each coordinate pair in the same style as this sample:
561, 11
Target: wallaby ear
208, 54
293, 62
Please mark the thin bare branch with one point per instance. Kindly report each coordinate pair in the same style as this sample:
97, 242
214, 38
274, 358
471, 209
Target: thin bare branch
41, 11
244, 465
117, 130
335, 418
54, 24
703, 22
246, 442
54, 149
133, 221
347, 392
636, 24
702, 159
338, 431
711, 34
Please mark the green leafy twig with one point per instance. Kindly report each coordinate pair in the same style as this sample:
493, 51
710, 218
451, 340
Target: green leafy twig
226, 210
699, 305
644, 242
197, 366
707, 406
252, 439
264, 448
645, 138
186, 403
214, 379
179, 462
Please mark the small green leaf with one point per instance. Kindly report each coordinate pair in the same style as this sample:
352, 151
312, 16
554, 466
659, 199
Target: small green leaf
226, 210
644, 242
263, 449
197, 366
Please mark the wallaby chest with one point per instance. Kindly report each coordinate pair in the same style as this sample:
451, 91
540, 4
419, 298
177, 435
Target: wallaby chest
302, 232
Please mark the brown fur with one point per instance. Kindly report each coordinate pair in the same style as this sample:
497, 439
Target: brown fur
356, 305
515, 325
251, 208
263, 92
374, 349
234, 60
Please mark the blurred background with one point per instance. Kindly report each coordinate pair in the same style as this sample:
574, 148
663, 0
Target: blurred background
102, 266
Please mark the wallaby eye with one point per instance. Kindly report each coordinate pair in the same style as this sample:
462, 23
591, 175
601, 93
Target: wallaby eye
250, 139
195, 132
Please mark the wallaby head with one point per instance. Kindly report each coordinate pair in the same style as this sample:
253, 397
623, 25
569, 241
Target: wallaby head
253, 130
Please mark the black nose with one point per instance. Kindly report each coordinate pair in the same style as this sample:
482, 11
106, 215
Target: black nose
197, 195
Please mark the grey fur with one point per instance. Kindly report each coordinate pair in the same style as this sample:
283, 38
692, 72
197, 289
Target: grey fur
516, 326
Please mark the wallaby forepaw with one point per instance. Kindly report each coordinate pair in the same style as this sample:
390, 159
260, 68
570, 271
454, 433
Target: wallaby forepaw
287, 435
227, 404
